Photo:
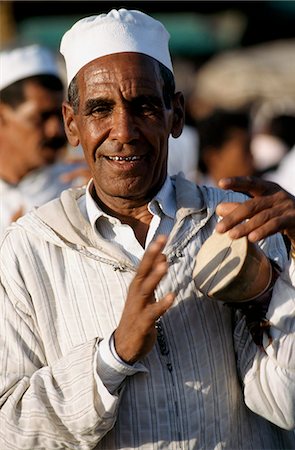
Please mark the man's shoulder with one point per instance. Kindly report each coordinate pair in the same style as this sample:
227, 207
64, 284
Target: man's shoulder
198, 194
217, 194
47, 220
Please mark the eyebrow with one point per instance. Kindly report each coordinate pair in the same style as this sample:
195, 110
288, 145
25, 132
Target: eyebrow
149, 98
106, 102
95, 102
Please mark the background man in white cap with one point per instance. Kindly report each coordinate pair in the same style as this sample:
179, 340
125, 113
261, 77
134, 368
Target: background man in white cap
32, 137
105, 341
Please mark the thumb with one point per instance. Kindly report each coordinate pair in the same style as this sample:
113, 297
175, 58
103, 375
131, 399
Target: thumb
164, 304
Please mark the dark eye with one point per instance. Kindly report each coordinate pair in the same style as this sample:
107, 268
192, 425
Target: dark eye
97, 107
146, 106
101, 110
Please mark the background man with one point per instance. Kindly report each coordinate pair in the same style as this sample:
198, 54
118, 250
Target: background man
105, 342
224, 146
32, 138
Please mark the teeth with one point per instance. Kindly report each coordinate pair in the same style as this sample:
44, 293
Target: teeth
124, 158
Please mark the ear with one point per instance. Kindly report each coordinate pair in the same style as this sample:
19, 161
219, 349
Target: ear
5, 112
178, 115
70, 125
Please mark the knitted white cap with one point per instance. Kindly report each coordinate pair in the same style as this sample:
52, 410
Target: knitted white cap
116, 32
24, 62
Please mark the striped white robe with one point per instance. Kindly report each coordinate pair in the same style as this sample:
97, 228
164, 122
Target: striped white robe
207, 386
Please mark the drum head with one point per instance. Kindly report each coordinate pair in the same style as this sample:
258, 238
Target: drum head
218, 263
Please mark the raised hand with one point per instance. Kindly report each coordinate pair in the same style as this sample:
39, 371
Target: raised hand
271, 209
136, 333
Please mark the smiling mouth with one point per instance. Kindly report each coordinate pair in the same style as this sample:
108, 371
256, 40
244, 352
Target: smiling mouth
124, 158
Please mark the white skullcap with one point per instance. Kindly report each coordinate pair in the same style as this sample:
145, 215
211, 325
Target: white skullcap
24, 62
116, 32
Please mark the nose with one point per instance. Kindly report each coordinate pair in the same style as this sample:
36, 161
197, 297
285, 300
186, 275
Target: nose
124, 128
53, 127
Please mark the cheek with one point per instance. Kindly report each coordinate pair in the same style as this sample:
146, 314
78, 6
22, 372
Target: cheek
22, 136
90, 138
157, 136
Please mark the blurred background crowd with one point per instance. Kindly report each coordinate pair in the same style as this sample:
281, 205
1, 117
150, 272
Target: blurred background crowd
234, 62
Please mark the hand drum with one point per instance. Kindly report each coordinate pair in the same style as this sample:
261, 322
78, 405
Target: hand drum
231, 270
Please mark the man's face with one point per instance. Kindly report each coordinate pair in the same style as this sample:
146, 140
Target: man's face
235, 158
33, 133
123, 126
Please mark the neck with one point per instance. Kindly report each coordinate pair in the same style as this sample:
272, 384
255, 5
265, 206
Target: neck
137, 217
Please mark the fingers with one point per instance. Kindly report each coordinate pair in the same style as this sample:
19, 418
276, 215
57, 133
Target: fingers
160, 307
235, 214
259, 217
223, 209
152, 269
252, 186
136, 334
153, 265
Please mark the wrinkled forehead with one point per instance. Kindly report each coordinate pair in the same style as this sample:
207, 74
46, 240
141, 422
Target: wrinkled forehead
120, 68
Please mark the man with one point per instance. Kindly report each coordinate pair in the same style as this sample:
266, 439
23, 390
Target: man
105, 341
32, 138
224, 143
